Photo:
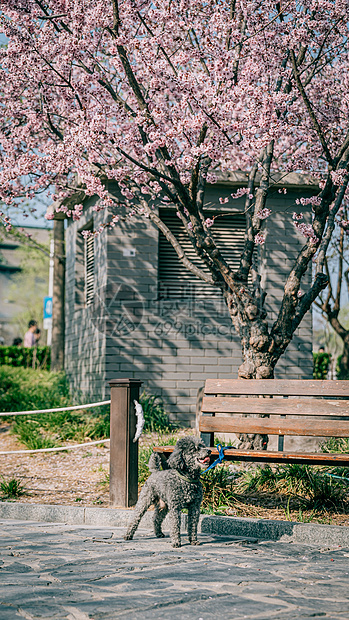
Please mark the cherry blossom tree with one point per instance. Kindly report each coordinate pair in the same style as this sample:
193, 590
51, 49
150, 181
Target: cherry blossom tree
158, 95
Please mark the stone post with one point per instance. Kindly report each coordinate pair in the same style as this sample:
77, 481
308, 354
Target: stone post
123, 482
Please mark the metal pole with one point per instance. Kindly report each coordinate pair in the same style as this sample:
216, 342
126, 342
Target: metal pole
123, 481
57, 346
50, 287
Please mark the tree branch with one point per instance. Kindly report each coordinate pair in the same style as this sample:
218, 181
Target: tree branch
249, 245
331, 222
178, 248
195, 173
340, 271
306, 300
310, 109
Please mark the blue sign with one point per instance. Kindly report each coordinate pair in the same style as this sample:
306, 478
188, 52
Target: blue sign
47, 307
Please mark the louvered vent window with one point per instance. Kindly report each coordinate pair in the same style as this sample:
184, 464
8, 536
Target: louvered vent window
175, 281
89, 270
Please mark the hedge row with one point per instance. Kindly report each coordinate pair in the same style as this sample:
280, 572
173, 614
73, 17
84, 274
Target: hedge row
34, 357
321, 364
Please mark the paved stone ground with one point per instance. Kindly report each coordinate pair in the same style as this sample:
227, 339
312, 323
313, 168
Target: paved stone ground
50, 571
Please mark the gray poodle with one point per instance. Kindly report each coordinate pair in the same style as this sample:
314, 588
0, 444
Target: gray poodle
177, 486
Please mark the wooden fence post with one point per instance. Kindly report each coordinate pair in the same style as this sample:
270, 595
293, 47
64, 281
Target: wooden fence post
123, 482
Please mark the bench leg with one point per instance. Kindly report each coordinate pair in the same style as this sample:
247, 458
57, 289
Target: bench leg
208, 439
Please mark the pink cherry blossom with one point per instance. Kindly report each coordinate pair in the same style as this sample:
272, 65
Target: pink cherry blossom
259, 239
263, 214
159, 99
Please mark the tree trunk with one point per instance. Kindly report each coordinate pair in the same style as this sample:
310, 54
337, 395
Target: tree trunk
57, 347
344, 361
258, 351
255, 366
343, 333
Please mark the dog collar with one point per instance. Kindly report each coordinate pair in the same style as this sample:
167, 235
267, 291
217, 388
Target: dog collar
190, 480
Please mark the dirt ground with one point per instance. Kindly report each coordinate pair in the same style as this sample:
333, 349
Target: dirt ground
73, 477
78, 477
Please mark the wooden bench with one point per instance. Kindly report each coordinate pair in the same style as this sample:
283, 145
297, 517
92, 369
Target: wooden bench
299, 408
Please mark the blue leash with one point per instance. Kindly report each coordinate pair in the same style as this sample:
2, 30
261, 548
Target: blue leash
220, 456
220, 460
339, 477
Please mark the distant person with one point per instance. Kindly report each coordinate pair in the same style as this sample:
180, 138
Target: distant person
2, 341
321, 350
37, 335
29, 336
17, 342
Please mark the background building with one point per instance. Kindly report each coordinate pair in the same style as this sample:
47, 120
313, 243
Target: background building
132, 310
23, 280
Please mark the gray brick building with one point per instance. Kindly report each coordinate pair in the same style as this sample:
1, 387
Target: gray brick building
132, 310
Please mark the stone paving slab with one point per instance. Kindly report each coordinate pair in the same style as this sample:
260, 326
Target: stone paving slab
52, 571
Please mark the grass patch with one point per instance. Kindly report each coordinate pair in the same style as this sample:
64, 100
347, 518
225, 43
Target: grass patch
336, 444
145, 453
220, 492
155, 415
313, 487
23, 389
48, 430
30, 434
11, 488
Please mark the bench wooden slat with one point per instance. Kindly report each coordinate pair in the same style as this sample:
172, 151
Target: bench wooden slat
282, 387
273, 457
275, 406
267, 426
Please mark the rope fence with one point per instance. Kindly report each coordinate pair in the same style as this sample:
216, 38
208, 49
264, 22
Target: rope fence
125, 413
61, 448
73, 408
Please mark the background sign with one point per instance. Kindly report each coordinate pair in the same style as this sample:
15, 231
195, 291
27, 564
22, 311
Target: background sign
47, 312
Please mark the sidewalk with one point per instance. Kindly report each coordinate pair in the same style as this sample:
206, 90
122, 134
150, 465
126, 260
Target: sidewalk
54, 571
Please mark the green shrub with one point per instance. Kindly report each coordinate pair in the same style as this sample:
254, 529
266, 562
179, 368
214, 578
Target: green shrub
21, 356
321, 364
324, 491
11, 488
219, 491
336, 444
313, 486
24, 389
145, 453
289, 479
29, 432
342, 373
155, 416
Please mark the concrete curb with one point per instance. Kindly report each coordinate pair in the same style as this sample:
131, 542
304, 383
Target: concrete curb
262, 529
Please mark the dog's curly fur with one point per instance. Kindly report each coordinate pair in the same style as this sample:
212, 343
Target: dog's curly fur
176, 487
